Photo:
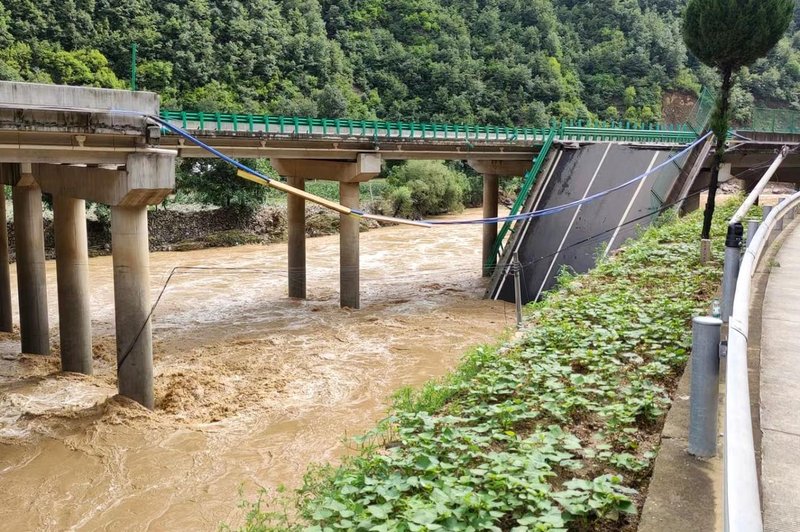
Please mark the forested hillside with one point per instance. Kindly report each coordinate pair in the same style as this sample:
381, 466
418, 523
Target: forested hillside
488, 61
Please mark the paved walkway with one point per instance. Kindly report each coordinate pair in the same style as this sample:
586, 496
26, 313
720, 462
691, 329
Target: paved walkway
780, 390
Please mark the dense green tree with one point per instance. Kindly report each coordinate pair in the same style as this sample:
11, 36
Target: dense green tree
505, 62
215, 182
499, 61
728, 35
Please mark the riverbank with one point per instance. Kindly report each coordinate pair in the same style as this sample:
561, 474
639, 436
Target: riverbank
179, 229
557, 429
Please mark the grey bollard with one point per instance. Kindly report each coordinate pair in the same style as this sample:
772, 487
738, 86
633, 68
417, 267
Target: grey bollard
752, 228
705, 386
730, 273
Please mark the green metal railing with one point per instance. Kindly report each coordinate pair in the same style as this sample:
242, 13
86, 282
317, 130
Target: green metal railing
701, 112
577, 130
527, 185
774, 121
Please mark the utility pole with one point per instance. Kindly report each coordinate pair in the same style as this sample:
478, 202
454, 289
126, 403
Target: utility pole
517, 269
134, 48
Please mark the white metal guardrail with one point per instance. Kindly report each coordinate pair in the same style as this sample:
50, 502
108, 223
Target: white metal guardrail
742, 500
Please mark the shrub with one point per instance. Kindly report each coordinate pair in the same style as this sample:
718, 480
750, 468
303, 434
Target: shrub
400, 201
421, 188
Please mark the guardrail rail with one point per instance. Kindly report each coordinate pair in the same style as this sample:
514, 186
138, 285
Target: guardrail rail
741, 485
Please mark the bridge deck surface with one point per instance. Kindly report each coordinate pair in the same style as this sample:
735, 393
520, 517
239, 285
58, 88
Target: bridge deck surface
780, 394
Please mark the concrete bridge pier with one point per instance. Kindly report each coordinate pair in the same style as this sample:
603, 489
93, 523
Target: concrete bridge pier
349, 174
349, 261
492, 172
296, 218
146, 179
130, 256
72, 276
6, 324
491, 191
34, 326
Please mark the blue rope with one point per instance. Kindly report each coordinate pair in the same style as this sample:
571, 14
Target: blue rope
479, 221
203, 145
560, 208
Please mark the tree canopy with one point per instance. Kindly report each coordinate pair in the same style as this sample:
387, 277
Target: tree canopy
734, 33
729, 34
507, 62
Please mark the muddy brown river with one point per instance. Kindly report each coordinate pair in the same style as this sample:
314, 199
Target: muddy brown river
251, 387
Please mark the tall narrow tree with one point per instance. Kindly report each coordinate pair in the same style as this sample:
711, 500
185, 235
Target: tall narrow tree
727, 35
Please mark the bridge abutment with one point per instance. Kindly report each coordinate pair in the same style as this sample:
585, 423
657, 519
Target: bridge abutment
34, 325
72, 277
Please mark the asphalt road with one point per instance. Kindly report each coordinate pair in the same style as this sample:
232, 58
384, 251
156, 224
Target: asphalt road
575, 237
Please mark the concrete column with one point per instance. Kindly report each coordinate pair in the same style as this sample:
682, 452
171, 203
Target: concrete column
690, 204
72, 269
132, 303
490, 200
34, 326
6, 324
296, 215
348, 248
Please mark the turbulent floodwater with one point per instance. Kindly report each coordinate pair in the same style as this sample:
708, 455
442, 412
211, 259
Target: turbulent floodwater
251, 387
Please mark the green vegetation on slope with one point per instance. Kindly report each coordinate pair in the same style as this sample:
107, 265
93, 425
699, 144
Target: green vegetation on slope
490, 61
556, 430
504, 62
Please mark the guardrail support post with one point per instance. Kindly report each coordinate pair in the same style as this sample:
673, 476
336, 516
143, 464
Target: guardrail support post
733, 245
704, 387
765, 210
752, 227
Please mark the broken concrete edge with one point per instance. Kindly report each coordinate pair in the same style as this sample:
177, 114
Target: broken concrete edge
40, 96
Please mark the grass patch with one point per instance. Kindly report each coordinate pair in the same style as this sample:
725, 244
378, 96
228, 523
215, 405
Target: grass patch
556, 430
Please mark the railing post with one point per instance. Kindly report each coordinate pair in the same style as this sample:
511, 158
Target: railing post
765, 210
752, 227
779, 224
704, 387
733, 245
789, 213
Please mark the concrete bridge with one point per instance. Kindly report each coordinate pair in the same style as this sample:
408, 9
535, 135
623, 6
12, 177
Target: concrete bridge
83, 144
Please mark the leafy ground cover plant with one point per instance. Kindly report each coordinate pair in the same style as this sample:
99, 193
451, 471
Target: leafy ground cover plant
555, 430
